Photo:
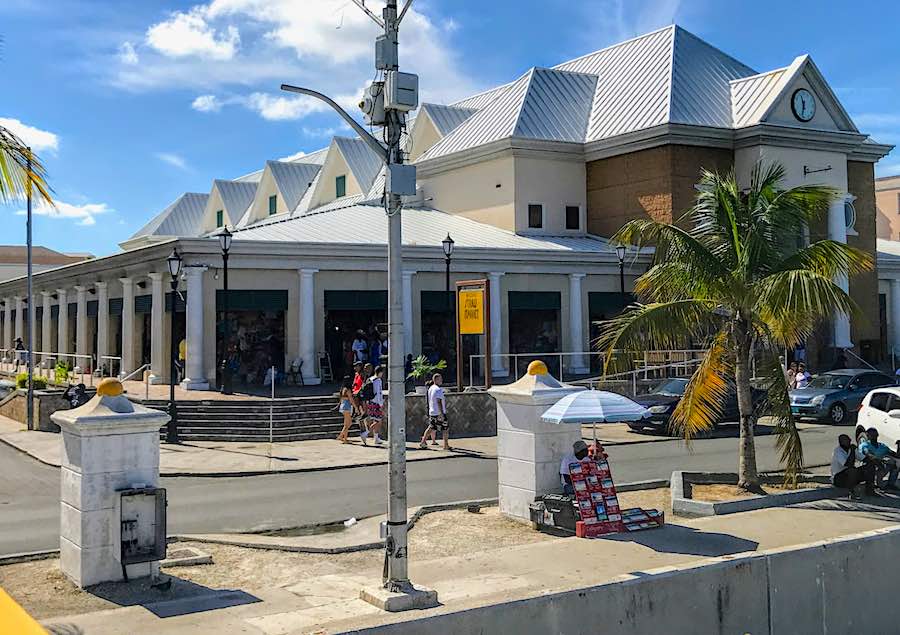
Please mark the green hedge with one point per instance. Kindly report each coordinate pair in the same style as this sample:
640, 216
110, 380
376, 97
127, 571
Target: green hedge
39, 383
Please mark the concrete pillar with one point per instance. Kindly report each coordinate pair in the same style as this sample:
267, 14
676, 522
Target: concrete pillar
498, 367
81, 326
837, 230
108, 445
194, 378
102, 322
46, 329
127, 326
62, 322
408, 312
895, 318
157, 342
20, 318
307, 329
8, 323
578, 363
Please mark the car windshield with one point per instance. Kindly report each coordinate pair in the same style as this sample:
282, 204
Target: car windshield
832, 382
672, 387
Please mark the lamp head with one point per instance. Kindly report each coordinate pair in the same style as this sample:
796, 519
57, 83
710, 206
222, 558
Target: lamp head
620, 252
448, 246
225, 237
174, 262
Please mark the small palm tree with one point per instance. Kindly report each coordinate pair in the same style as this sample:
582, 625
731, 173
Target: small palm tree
17, 176
730, 273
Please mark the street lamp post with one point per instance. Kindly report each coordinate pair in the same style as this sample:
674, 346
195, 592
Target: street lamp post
447, 244
225, 368
174, 262
620, 254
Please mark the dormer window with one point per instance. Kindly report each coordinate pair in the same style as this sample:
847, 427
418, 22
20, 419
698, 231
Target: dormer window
535, 216
340, 186
573, 217
273, 204
220, 218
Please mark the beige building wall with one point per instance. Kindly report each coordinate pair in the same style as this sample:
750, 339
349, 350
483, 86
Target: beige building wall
484, 192
783, 114
335, 166
887, 200
424, 135
213, 205
266, 188
553, 184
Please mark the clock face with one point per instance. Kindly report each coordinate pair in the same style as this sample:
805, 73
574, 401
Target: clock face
803, 104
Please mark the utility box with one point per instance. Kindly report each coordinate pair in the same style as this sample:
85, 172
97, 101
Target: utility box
401, 91
142, 524
400, 178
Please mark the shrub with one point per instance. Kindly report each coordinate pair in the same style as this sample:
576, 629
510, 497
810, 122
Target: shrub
61, 372
39, 383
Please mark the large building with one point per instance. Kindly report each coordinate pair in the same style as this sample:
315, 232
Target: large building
530, 179
887, 202
13, 260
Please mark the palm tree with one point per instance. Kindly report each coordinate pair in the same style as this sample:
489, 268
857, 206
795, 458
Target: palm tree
16, 174
730, 273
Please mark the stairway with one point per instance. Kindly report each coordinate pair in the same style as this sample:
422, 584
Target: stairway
294, 419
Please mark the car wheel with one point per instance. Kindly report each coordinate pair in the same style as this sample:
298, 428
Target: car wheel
837, 414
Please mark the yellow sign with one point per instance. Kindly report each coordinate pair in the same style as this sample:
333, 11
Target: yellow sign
471, 312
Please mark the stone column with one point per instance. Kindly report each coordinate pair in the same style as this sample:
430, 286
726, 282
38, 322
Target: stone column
127, 326
498, 367
837, 230
578, 363
194, 378
307, 329
157, 342
102, 322
46, 329
62, 323
8, 323
895, 317
81, 339
408, 312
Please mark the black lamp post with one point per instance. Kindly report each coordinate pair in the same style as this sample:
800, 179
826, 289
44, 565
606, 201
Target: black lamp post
447, 244
224, 367
620, 254
174, 262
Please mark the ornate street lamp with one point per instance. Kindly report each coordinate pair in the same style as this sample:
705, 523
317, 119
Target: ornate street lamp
447, 244
174, 262
225, 238
620, 254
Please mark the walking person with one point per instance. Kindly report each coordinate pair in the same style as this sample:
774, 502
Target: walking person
20, 351
792, 376
345, 407
363, 394
437, 413
359, 347
375, 404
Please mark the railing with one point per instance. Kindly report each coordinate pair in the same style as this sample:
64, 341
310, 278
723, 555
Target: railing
145, 377
13, 359
103, 364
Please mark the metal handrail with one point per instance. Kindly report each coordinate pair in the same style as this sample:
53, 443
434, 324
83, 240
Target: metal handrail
54, 356
134, 372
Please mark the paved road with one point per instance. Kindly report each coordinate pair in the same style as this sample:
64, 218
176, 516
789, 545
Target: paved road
29, 491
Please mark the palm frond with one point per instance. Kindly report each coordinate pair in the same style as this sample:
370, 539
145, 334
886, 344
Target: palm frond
705, 395
828, 258
16, 180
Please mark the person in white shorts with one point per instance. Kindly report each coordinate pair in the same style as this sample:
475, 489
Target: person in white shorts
437, 413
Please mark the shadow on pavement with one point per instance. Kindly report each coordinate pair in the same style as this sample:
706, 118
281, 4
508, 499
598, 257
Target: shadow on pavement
687, 541
884, 507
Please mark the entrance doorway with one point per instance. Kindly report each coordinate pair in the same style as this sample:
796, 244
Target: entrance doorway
439, 330
346, 314
534, 326
256, 333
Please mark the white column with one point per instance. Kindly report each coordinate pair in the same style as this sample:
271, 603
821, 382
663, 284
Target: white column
81, 343
408, 311
20, 309
62, 322
7, 323
157, 345
837, 230
307, 329
895, 318
127, 326
498, 367
578, 363
46, 330
194, 375
102, 322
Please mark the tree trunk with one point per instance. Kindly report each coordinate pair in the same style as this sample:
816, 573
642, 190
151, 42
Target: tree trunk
748, 477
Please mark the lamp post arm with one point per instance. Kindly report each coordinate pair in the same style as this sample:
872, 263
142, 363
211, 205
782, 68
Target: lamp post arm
374, 143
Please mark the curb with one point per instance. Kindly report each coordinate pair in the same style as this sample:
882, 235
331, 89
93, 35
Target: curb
26, 453
28, 556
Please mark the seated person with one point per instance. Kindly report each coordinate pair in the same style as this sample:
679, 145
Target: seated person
579, 451
844, 473
871, 451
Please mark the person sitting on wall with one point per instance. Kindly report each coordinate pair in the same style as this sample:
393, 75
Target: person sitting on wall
845, 474
872, 452
579, 452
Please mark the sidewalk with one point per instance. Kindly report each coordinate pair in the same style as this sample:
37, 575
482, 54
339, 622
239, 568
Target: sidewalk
198, 458
329, 603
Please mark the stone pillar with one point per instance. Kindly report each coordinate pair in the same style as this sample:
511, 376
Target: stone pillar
498, 367
194, 378
529, 451
157, 342
408, 312
81, 326
895, 318
837, 230
62, 323
102, 323
578, 363
307, 329
108, 445
127, 326
8, 324
46, 330
20, 318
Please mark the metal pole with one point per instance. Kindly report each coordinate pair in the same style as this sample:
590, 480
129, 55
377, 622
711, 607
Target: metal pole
622, 278
226, 327
172, 426
30, 323
449, 305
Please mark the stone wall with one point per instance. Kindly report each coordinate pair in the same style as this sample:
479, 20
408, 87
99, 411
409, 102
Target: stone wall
46, 402
865, 329
471, 414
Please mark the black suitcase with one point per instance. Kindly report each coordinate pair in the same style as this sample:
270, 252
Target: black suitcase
562, 508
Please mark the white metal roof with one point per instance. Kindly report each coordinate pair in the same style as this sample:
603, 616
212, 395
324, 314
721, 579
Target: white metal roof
236, 196
482, 99
446, 118
181, 218
293, 179
362, 161
752, 95
367, 225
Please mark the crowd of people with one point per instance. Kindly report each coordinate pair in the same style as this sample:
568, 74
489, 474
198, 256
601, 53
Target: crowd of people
366, 348
865, 461
797, 376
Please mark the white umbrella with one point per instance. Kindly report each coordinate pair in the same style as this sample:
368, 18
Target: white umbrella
594, 406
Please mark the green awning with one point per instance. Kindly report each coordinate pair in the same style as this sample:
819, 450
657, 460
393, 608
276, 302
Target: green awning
252, 300
534, 300
356, 300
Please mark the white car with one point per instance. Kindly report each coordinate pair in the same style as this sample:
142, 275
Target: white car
880, 409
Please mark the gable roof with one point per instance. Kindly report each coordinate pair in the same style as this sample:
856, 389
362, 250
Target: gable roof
236, 196
183, 217
751, 96
361, 160
292, 180
446, 118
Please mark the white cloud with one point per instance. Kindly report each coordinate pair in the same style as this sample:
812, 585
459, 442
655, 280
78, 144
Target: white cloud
278, 108
293, 157
189, 34
127, 54
38, 139
207, 103
607, 22
85, 214
173, 159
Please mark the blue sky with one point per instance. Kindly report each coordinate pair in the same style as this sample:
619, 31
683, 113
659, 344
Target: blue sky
130, 108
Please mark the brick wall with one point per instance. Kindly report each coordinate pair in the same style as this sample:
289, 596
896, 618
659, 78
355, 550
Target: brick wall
864, 286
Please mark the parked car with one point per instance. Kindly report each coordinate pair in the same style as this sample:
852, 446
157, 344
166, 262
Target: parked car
832, 396
662, 401
880, 409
